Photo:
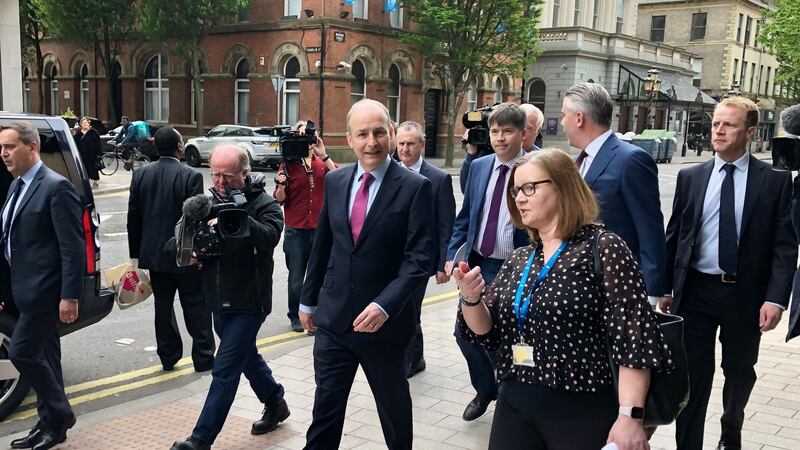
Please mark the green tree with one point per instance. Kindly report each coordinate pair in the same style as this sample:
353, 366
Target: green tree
97, 24
781, 33
185, 23
465, 39
33, 32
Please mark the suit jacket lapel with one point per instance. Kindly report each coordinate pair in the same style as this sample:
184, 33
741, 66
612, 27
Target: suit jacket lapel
31, 189
699, 193
338, 211
385, 195
482, 184
755, 180
602, 159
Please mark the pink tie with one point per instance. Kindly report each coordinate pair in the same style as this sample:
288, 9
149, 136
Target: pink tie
359, 213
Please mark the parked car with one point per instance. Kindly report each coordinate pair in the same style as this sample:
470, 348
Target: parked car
147, 147
263, 147
60, 154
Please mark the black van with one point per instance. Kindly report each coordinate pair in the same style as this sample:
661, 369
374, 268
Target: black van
59, 153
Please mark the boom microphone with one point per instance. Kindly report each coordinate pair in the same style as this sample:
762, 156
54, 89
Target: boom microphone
197, 207
790, 117
786, 149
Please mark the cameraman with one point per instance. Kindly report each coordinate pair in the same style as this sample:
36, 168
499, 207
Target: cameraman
238, 288
299, 188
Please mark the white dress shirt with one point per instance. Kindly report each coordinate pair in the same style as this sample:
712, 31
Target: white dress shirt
591, 151
504, 242
416, 166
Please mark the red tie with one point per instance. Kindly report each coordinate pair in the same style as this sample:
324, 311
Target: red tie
359, 213
579, 160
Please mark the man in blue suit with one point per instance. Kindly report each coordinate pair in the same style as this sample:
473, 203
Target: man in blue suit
623, 177
410, 145
484, 225
372, 251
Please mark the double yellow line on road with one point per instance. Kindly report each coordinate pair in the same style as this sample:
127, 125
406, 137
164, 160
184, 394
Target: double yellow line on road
153, 375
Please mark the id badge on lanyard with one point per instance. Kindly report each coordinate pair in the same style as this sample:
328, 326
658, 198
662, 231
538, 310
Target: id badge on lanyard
522, 352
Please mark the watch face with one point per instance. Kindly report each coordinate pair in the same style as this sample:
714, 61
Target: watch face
637, 413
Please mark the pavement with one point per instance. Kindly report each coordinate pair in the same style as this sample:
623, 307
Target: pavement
439, 395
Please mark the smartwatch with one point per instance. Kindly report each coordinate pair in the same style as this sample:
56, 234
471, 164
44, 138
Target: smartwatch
325, 158
634, 412
279, 183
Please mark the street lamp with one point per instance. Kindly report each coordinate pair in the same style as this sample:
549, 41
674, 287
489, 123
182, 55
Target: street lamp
652, 86
734, 91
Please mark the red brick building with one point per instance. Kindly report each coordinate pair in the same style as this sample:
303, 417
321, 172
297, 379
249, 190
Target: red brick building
327, 53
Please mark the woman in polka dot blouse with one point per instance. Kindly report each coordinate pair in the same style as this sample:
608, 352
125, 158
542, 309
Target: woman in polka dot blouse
551, 318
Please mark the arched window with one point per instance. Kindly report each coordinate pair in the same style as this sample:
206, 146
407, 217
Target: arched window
156, 90
536, 93
26, 91
498, 91
85, 90
358, 87
54, 110
394, 93
291, 91
190, 71
472, 97
241, 96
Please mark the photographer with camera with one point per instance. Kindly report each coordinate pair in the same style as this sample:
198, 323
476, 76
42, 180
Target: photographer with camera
299, 188
786, 156
238, 287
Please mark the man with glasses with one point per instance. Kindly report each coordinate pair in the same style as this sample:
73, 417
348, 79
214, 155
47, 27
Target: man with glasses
238, 289
534, 119
155, 204
484, 226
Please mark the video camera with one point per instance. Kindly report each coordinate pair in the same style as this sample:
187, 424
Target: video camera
786, 153
294, 144
477, 122
194, 236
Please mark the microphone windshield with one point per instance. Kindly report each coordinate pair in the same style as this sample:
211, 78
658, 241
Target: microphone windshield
197, 207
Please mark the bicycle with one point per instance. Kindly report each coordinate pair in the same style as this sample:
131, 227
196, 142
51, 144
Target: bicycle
110, 160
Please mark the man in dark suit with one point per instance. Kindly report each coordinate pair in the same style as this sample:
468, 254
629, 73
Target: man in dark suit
410, 145
728, 266
42, 239
154, 206
484, 225
623, 177
372, 251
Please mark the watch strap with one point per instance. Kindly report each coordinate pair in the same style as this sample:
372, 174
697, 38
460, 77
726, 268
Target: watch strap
633, 412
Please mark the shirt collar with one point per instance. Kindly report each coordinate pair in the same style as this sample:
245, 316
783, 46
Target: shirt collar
28, 176
378, 173
511, 163
170, 157
741, 163
416, 166
594, 147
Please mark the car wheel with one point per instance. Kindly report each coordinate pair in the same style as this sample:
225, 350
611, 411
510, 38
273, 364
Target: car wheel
13, 387
192, 157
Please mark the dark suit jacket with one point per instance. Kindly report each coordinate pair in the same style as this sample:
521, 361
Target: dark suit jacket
794, 313
444, 210
624, 178
391, 259
767, 242
467, 224
48, 254
154, 206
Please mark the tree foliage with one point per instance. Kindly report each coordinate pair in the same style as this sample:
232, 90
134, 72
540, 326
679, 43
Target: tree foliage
33, 32
465, 39
781, 33
92, 24
184, 23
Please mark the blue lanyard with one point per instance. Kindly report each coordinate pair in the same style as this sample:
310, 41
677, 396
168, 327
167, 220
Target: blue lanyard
522, 310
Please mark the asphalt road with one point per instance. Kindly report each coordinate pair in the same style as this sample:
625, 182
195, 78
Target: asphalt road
103, 370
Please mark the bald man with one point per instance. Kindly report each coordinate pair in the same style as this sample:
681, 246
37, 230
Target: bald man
373, 249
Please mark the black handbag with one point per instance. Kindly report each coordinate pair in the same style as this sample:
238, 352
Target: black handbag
668, 393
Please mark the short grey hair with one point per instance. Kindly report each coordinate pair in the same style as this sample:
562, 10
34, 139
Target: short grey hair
411, 125
531, 108
243, 155
790, 118
593, 100
507, 114
28, 133
369, 101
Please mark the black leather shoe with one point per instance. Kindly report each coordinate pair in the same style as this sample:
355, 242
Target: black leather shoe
29, 440
477, 407
724, 446
204, 367
49, 439
274, 413
415, 368
190, 444
297, 326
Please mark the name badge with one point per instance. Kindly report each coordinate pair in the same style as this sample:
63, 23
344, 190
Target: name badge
523, 355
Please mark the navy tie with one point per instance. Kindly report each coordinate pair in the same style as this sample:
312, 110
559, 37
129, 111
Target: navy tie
12, 204
728, 237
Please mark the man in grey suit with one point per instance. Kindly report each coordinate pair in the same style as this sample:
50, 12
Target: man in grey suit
42, 240
154, 206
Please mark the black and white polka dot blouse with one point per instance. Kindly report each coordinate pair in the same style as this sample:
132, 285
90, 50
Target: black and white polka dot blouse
570, 316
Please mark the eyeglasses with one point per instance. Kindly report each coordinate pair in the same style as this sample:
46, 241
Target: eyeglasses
225, 176
528, 188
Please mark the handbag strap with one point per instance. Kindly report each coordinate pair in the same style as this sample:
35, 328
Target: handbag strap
597, 264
